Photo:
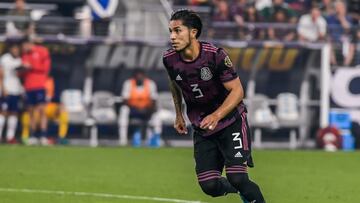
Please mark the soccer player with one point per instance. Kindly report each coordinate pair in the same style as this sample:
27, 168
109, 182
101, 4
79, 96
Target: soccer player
139, 93
205, 77
54, 111
11, 91
36, 61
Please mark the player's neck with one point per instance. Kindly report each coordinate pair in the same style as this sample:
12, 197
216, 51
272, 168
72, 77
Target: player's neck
192, 52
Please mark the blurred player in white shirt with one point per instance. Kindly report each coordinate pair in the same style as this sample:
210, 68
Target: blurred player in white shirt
10, 92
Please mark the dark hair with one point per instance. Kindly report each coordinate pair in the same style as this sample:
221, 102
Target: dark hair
11, 44
315, 6
138, 71
189, 18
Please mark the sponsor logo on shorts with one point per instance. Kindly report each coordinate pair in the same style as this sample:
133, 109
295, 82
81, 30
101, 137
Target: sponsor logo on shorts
238, 155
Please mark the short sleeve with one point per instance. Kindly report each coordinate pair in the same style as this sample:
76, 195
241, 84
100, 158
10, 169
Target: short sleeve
224, 66
1, 61
165, 63
153, 90
167, 67
125, 93
322, 25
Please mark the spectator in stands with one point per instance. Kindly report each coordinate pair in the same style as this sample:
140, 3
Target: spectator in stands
19, 23
237, 10
356, 46
11, 90
199, 2
251, 15
36, 62
327, 7
354, 10
220, 14
284, 32
102, 11
222, 11
340, 25
54, 111
139, 94
269, 12
261, 4
298, 6
312, 26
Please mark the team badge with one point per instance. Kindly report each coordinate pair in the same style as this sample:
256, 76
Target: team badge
206, 73
228, 62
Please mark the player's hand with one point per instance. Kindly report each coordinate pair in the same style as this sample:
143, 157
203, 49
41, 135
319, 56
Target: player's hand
26, 65
209, 122
180, 125
4, 93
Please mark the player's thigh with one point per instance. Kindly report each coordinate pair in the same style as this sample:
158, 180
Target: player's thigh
234, 143
207, 154
35, 97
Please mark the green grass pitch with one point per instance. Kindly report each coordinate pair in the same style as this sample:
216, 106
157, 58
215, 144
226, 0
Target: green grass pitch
80, 174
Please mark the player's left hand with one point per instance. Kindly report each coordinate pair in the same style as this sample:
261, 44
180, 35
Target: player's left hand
209, 122
26, 65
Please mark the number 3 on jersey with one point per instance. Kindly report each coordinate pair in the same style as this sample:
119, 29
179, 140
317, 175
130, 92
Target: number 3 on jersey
197, 90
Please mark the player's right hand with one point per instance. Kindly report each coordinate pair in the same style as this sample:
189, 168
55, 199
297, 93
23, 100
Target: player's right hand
180, 125
26, 65
4, 93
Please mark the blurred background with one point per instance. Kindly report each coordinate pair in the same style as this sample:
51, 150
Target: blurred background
299, 63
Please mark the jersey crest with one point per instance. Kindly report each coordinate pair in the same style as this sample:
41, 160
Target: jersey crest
205, 73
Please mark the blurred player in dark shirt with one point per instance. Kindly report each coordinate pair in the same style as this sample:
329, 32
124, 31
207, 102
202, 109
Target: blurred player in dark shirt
204, 76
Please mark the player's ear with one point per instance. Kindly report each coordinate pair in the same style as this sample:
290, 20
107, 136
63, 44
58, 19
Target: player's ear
193, 32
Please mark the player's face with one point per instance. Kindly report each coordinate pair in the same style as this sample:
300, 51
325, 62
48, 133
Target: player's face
180, 35
15, 51
26, 47
139, 76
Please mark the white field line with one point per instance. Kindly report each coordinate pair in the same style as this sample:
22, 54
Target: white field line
103, 195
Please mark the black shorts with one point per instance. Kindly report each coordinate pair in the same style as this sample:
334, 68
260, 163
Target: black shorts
230, 147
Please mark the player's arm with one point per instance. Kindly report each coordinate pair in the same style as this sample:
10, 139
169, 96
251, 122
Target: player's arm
180, 124
153, 94
2, 85
46, 61
233, 99
2, 88
125, 92
236, 94
177, 97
